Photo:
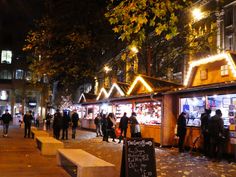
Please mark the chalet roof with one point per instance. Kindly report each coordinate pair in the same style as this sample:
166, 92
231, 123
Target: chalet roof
152, 84
87, 97
228, 56
103, 91
121, 87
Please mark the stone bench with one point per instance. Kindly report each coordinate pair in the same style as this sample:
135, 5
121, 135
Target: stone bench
37, 133
84, 163
48, 145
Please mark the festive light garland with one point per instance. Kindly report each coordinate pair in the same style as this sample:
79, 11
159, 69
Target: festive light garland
118, 88
82, 95
211, 59
103, 90
139, 78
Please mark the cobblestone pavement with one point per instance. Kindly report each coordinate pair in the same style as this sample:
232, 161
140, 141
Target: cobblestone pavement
169, 162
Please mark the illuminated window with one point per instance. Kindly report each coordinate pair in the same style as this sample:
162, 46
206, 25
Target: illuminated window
229, 42
28, 76
203, 74
6, 56
19, 74
5, 74
224, 70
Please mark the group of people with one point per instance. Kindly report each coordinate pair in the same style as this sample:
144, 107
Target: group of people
61, 123
212, 131
106, 126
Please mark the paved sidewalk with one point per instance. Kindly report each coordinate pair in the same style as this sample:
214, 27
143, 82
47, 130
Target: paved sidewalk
19, 157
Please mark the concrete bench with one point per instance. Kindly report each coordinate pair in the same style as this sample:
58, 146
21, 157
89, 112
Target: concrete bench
48, 145
84, 163
37, 133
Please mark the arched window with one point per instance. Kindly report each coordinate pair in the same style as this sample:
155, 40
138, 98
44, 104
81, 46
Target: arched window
5, 74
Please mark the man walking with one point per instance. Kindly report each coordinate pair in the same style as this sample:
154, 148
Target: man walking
28, 121
6, 118
74, 120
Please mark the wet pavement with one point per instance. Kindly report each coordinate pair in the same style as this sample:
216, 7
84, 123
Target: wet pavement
19, 157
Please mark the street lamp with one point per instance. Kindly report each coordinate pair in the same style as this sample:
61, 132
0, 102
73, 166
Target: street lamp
107, 69
134, 49
197, 14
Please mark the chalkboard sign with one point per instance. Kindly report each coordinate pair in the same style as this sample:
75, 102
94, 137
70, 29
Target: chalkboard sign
138, 158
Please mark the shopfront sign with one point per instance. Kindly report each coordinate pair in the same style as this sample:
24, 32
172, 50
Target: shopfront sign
138, 158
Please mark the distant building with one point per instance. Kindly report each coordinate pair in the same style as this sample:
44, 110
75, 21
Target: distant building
16, 93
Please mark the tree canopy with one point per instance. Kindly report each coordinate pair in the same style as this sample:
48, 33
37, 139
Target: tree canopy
68, 41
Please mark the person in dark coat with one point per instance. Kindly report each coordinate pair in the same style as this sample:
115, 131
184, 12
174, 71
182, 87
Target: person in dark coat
205, 118
104, 127
181, 130
216, 132
134, 126
6, 118
65, 126
57, 124
74, 120
48, 121
28, 121
123, 126
98, 123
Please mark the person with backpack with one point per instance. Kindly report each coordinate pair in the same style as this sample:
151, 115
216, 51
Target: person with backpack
205, 118
216, 132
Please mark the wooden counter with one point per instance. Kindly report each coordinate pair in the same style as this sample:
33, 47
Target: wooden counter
88, 124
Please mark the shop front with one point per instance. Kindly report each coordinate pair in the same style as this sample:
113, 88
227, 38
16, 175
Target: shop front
210, 84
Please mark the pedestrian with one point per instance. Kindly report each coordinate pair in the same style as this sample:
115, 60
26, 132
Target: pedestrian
6, 118
98, 124
65, 126
48, 121
74, 120
28, 121
134, 126
104, 127
57, 124
205, 118
123, 126
37, 121
216, 132
181, 130
111, 123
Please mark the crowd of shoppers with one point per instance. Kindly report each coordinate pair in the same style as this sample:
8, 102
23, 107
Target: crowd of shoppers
212, 133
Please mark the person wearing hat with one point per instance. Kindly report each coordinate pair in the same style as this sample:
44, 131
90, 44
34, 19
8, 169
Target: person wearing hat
6, 118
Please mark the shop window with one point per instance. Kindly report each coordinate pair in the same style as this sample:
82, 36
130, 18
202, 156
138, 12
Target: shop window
19, 74
6, 56
28, 76
229, 42
5, 74
194, 106
203, 74
148, 112
224, 70
228, 17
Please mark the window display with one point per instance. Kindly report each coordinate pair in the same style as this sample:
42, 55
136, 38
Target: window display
121, 108
148, 112
195, 107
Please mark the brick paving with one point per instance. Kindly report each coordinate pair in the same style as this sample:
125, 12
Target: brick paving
19, 157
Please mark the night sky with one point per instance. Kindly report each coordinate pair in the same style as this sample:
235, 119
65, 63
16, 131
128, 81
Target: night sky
16, 19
